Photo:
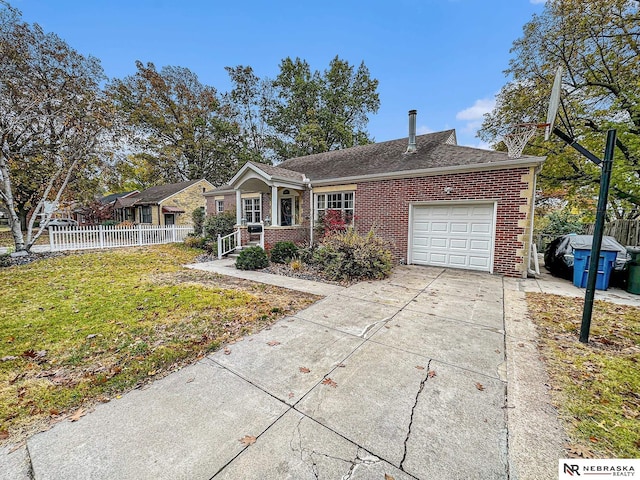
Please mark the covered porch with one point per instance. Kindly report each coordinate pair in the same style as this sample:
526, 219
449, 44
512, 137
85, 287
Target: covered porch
271, 205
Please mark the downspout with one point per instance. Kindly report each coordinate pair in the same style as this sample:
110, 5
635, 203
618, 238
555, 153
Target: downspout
536, 171
311, 213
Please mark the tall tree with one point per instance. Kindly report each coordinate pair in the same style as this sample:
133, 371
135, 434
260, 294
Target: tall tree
53, 120
597, 44
315, 112
249, 99
178, 124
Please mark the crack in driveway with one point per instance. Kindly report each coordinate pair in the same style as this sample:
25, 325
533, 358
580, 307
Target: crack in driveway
406, 440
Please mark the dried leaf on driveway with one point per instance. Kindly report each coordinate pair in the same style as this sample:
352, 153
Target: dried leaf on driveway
304, 370
328, 381
479, 386
226, 351
273, 343
388, 477
431, 374
419, 367
81, 412
248, 440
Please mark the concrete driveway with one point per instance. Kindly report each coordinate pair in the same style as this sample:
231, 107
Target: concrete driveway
412, 377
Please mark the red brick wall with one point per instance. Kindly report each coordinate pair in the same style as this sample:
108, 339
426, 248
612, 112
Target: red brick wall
297, 235
384, 205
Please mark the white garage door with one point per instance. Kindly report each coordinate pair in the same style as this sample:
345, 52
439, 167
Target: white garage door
459, 236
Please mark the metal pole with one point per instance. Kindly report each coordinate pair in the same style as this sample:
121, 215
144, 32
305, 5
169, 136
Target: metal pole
596, 245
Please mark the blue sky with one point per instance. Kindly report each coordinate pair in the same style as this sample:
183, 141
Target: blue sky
444, 58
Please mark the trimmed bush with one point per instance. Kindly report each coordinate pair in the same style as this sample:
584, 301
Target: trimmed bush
198, 220
194, 241
283, 252
220, 224
350, 256
252, 258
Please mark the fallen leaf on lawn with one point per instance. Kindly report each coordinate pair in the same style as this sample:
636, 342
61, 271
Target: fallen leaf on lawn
479, 386
388, 477
4, 434
273, 343
579, 451
328, 381
304, 370
91, 335
227, 351
593, 440
54, 412
248, 440
419, 367
7, 358
431, 374
81, 412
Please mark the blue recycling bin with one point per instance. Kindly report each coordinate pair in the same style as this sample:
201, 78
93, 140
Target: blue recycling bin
581, 261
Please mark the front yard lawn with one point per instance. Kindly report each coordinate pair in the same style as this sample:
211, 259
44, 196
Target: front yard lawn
87, 327
6, 238
596, 387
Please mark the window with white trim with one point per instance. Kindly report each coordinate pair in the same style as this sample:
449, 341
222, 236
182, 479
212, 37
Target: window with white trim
252, 210
219, 206
340, 201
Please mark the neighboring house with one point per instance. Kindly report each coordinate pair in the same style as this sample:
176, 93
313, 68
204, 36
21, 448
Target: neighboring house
437, 203
84, 215
170, 204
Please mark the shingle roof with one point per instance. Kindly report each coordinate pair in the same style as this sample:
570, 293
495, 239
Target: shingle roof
160, 192
114, 196
278, 171
432, 152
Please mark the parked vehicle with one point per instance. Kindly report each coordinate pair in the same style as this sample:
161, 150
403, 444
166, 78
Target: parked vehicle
62, 222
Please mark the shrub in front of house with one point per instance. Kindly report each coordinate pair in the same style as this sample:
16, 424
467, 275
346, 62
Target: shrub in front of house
220, 224
283, 252
351, 256
198, 220
194, 241
252, 258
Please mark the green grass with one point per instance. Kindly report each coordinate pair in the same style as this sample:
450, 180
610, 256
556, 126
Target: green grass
6, 238
86, 327
596, 387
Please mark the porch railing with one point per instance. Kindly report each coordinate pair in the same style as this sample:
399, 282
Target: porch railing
228, 243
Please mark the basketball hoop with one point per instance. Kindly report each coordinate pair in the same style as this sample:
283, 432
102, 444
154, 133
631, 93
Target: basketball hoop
517, 139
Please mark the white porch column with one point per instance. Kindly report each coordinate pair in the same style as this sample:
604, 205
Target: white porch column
238, 207
275, 221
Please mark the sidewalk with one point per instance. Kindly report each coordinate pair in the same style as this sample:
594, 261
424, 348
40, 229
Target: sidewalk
411, 377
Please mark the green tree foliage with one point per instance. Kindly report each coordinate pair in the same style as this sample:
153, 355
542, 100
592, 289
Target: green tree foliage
220, 224
248, 100
53, 120
597, 42
179, 125
313, 112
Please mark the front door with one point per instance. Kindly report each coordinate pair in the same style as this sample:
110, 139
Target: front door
286, 211
169, 218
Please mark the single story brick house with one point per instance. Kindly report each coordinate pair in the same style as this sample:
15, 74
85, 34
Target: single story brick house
437, 203
170, 204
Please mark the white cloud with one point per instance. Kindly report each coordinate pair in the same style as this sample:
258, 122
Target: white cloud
477, 111
536, 2
474, 115
423, 129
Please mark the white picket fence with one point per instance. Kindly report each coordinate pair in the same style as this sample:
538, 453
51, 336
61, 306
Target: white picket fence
101, 236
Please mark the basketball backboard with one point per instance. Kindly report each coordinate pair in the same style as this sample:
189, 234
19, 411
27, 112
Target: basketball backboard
554, 103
